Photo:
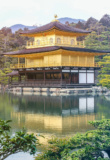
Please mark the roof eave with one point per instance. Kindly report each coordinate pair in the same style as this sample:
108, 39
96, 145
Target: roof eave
29, 34
54, 48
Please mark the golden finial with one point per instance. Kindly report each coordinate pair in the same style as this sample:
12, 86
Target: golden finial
55, 17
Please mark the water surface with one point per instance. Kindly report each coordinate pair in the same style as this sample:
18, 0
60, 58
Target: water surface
53, 115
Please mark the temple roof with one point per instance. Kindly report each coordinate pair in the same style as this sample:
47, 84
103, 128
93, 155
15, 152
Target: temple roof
13, 73
53, 25
53, 48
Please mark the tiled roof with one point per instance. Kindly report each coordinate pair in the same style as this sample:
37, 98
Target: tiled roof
57, 25
13, 73
53, 48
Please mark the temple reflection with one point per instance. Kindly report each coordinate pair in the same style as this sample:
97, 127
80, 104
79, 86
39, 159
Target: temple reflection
56, 115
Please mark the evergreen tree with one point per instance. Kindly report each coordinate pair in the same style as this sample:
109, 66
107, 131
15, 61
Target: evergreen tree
104, 74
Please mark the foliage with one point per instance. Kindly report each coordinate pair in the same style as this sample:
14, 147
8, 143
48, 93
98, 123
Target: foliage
3, 73
9, 42
20, 141
104, 74
88, 146
99, 41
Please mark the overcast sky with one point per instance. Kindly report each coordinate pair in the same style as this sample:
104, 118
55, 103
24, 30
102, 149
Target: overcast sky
32, 12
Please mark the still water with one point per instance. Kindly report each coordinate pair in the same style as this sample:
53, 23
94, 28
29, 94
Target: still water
53, 115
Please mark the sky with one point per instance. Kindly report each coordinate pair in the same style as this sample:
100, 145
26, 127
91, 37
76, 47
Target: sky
39, 12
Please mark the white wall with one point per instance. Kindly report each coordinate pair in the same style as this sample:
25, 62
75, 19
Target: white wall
82, 77
86, 77
90, 77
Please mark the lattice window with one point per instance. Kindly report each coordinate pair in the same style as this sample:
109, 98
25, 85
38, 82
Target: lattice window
51, 40
72, 42
58, 41
38, 42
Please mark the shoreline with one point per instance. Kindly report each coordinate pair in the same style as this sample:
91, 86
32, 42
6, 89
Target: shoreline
57, 91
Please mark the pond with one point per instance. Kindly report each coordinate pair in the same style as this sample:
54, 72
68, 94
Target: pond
52, 115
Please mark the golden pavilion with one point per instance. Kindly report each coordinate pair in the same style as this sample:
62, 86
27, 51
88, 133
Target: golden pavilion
55, 58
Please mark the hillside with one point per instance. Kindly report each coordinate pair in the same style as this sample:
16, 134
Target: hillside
98, 39
70, 20
16, 27
10, 40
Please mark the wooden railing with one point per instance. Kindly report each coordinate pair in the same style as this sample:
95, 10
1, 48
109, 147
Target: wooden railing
39, 83
80, 44
48, 84
22, 65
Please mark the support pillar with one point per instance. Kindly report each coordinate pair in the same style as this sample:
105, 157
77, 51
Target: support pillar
61, 77
19, 78
44, 77
11, 79
18, 62
25, 76
70, 78
25, 63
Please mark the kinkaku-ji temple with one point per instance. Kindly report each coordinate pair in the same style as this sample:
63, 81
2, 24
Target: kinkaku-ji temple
55, 58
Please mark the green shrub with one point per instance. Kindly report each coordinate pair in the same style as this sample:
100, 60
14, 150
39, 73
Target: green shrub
87, 146
20, 141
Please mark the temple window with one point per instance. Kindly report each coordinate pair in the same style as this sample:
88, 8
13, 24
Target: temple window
53, 75
65, 76
39, 76
38, 42
30, 76
72, 42
58, 41
21, 60
51, 40
28, 43
32, 43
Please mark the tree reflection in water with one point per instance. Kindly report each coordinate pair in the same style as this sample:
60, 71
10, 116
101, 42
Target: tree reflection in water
58, 115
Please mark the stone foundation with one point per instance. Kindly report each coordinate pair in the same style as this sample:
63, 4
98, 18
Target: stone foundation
28, 90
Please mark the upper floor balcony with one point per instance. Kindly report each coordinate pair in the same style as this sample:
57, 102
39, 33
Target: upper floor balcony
58, 42
55, 64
